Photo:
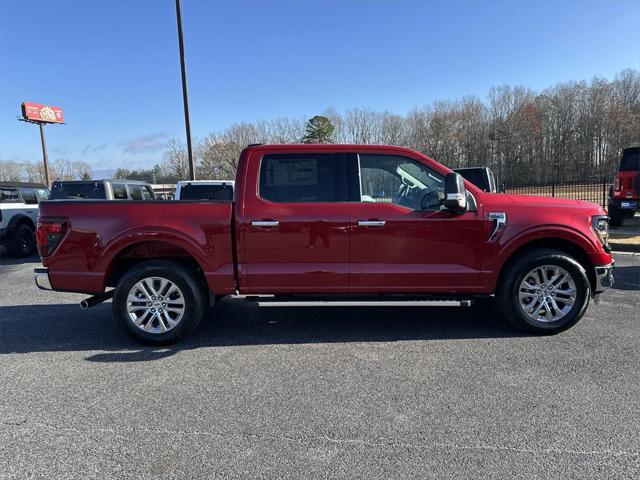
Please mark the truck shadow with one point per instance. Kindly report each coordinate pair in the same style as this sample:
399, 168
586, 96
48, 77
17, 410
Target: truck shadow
627, 278
235, 322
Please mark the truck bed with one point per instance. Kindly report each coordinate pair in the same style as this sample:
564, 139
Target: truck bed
101, 236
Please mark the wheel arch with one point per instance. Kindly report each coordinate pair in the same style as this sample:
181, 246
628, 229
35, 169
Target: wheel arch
565, 245
20, 219
136, 252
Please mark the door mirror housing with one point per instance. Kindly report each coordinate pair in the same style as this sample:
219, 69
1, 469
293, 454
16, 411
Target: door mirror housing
455, 195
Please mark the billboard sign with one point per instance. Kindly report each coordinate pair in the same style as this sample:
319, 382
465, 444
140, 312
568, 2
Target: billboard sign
37, 112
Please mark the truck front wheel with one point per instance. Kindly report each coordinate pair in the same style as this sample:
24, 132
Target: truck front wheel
544, 292
159, 302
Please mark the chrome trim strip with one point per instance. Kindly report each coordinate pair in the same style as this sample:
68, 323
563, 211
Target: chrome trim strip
264, 223
372, 303
500, 221
371, 223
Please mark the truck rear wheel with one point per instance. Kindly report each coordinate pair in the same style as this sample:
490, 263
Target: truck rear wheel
544, 292
159, 302
22, 242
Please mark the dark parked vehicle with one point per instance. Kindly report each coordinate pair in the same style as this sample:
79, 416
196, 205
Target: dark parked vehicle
205, 190
18, 216
101, 190
481, 177
624, 196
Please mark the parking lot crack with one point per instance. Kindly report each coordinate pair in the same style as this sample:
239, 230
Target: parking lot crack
382, 443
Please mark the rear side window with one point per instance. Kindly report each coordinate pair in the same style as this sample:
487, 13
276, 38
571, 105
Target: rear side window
9, 195
119, 191
134, 191
147, 193
29, 196
42, 194
630, 160
71, 190
195, 191
303, 178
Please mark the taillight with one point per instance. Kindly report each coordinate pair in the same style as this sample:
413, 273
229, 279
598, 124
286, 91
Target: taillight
48, 235
617, 184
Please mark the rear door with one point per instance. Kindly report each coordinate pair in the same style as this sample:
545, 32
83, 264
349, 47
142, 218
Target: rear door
402, 240
295, 224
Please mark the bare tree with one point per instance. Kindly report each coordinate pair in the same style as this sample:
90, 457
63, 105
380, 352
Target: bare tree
569, 131
176, 159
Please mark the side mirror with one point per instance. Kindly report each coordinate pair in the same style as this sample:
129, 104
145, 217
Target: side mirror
455, 195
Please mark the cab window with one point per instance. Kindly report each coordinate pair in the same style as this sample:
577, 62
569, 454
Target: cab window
147, 192
9, 195
119, 191
303, 178
29, 196
134, 192
400, 180
42, 194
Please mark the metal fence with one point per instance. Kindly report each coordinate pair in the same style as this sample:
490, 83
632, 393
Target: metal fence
593, 190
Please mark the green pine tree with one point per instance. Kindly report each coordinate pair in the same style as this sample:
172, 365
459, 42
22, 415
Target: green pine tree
319, 130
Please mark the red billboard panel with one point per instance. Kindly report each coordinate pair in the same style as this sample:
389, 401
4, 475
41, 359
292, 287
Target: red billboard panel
42, 113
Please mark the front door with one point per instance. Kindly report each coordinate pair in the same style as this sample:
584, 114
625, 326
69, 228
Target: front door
402, 240
296, 228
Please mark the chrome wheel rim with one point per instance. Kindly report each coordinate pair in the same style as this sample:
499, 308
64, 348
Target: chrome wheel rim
155, 305
547, 293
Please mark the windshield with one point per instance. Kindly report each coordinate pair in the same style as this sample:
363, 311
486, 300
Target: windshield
62, 190
206, 192
9, 195
630, 160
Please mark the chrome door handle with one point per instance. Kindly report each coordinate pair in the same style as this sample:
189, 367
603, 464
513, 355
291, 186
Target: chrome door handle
264, 223
371, 223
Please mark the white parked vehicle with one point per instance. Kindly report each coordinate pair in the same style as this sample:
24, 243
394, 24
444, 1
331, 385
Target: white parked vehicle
220, 190
19, 216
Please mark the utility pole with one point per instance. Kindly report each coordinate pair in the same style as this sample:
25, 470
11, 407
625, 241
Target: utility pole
40, 114
185, 98
44, 154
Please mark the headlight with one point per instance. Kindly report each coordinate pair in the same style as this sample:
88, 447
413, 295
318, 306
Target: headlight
600, 225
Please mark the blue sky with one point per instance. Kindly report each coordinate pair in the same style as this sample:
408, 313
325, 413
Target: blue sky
113, 65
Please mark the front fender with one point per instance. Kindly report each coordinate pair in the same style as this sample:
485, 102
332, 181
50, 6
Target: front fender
497, 254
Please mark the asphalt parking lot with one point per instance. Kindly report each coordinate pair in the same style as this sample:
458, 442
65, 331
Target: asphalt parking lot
317, 393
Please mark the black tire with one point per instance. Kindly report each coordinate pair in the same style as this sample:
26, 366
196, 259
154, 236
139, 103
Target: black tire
616, 216
194, 294
22, 243
507, 294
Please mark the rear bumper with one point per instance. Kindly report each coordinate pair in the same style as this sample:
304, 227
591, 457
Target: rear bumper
622, 203
42, 278
604, 277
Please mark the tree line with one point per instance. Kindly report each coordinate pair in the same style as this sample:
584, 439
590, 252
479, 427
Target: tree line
59, 169
570, 131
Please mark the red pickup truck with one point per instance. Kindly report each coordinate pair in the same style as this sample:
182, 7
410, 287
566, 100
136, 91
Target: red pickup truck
334, 224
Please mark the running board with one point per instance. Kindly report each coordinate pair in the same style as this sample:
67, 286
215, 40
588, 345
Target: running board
364, 303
